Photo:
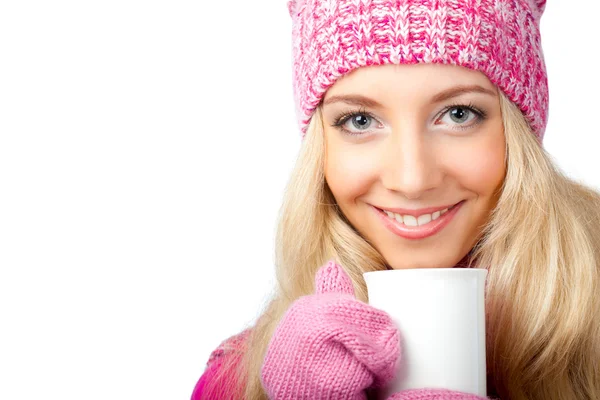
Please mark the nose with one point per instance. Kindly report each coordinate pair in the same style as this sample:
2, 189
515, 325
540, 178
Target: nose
409, 164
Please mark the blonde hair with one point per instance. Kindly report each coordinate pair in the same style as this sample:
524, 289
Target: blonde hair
541, 247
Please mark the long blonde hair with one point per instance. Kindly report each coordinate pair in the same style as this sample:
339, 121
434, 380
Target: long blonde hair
541, 247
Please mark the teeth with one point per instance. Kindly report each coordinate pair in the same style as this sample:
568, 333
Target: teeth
409, 220
398, 217
424, 219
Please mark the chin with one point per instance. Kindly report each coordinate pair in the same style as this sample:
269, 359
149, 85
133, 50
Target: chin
400, 263
417, 267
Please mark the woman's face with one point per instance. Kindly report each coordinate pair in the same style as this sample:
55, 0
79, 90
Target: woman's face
415, 140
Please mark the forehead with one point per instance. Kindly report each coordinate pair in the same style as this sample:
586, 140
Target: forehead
406, 80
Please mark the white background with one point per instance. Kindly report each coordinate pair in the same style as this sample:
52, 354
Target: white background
144, 148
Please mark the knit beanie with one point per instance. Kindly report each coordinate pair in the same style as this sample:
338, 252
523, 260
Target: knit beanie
500, 38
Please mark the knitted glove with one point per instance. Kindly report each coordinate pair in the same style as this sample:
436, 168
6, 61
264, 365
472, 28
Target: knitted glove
329, 345
433, 394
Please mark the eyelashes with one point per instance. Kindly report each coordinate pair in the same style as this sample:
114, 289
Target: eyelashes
469, 106
480, 115
342, 119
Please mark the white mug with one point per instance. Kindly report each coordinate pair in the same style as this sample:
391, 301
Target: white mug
440, 313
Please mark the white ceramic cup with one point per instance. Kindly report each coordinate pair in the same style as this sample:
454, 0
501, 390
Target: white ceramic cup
440, 313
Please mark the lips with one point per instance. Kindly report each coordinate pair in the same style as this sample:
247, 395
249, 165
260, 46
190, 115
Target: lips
417, 213
418, 232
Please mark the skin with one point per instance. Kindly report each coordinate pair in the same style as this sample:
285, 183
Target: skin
414, 151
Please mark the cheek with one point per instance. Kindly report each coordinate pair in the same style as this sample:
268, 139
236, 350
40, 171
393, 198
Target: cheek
481, 167
349, 173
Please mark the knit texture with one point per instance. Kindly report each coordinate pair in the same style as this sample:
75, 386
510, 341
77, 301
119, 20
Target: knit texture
329, 345
217, 380
207, 388
500, 38
434, 394
292, 373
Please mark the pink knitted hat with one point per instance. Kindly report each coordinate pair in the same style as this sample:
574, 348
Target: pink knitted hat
500, 38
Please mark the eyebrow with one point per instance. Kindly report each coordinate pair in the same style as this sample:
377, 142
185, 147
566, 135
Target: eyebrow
354, 99
359, 100
458, 90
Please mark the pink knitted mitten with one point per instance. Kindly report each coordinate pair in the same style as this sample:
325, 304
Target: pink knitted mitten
433, 394
329, 345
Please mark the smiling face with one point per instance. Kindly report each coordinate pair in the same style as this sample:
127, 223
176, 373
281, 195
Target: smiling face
415, 139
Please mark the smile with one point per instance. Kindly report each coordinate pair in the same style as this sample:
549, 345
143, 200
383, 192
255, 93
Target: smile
420, 227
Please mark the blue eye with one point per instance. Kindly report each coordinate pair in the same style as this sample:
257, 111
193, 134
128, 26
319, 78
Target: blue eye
354, 123
456, 116
360, 121
460, 115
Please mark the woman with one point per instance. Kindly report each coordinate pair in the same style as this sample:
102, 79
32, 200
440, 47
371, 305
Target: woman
422, 128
